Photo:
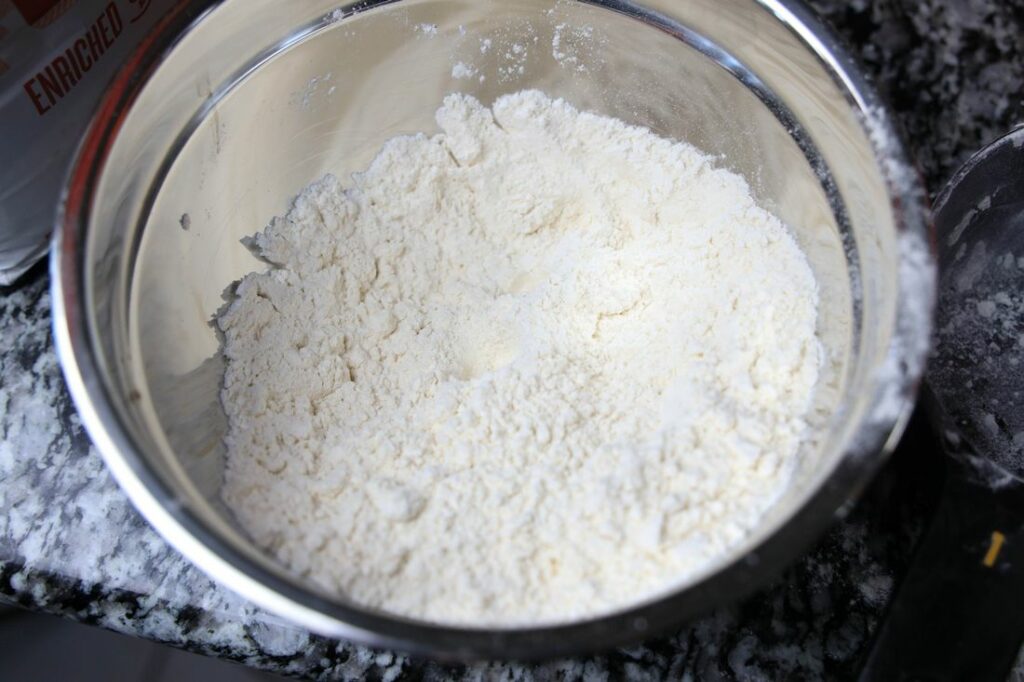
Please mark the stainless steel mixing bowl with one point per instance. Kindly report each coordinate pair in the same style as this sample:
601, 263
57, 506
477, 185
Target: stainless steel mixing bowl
231, 107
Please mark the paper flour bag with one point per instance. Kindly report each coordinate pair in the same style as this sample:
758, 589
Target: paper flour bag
56, 59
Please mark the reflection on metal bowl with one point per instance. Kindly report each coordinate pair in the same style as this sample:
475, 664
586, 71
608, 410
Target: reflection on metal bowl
234, 106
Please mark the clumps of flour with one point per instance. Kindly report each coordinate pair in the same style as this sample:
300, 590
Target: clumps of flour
507, 53
463, 70
538, 366
574, 47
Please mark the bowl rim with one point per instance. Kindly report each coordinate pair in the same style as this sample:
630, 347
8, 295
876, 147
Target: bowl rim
240, 573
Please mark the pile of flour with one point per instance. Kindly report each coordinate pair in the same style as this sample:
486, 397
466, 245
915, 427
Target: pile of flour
538, 366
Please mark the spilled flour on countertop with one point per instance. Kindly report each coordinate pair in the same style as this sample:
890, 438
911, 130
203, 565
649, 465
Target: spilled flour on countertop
540, 365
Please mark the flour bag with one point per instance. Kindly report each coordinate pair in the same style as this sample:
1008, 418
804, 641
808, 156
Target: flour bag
57, 58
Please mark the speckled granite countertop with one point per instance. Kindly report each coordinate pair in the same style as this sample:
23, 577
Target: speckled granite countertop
70, 542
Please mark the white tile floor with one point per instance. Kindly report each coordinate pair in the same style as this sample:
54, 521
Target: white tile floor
39, 648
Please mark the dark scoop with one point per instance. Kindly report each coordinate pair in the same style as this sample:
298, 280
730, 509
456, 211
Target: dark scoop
958, 613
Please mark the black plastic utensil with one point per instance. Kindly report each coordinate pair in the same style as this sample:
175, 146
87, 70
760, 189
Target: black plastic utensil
959, 611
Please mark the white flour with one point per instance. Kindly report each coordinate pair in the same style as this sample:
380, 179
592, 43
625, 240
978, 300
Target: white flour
538, 366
